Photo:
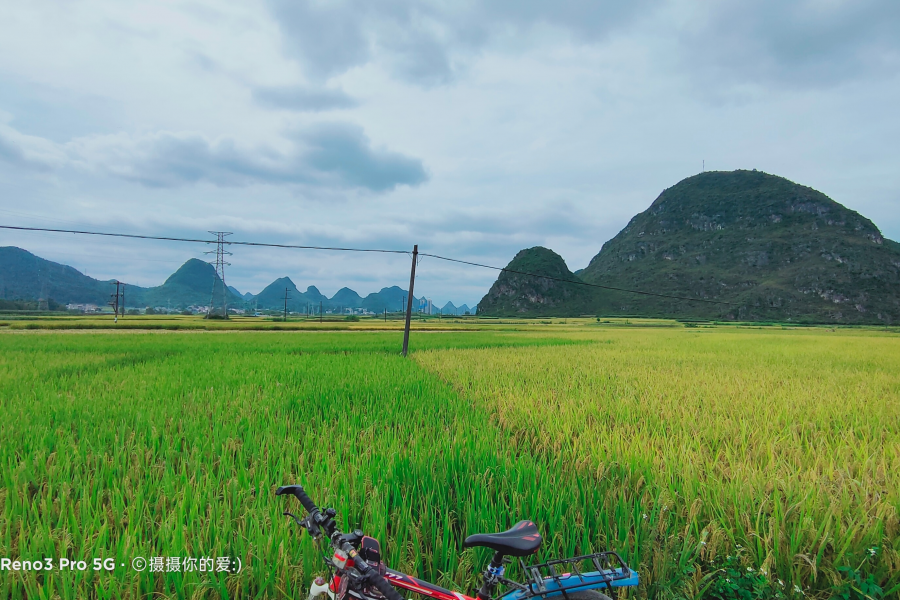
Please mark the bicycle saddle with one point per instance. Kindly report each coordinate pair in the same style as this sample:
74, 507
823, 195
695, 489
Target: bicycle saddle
523, 539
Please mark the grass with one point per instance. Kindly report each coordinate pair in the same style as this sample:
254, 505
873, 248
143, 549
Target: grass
650, 441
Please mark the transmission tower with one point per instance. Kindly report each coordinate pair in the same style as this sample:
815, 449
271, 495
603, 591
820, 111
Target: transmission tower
220, 263
43, 301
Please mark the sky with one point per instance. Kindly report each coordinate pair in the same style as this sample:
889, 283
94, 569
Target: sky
473, 129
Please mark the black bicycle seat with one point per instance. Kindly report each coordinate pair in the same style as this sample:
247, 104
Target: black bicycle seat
523, 539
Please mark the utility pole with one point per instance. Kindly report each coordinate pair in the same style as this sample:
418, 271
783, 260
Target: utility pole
409, 299
286, 298
385, 315
220, 253
114, 302
320, 311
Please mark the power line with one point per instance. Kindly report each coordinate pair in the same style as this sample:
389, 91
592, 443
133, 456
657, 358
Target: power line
319, 247
584, 283
196, 241
120, 235
421, 254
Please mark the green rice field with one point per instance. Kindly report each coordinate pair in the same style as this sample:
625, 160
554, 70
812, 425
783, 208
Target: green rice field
715, 460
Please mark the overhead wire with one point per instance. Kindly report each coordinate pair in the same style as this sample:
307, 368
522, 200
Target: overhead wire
421, 254
198, 241
572, 281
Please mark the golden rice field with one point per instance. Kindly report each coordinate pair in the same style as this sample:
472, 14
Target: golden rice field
715, 460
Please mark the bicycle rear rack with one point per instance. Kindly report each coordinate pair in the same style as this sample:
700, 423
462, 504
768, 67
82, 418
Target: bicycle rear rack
563, 576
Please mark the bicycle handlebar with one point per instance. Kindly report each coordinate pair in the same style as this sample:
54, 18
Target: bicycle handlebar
298, 492
380, 583
337, 540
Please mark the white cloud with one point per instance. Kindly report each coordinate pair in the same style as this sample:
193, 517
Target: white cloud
28, 151
330, 154
473, 129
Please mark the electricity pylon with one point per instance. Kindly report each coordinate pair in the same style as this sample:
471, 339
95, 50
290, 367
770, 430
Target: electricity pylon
220, 263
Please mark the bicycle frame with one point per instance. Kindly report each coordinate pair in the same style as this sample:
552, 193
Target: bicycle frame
553, 586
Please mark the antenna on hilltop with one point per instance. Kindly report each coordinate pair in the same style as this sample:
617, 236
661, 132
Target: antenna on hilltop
220, 253
704, 165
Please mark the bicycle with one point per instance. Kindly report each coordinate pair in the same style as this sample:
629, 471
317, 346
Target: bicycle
359, 573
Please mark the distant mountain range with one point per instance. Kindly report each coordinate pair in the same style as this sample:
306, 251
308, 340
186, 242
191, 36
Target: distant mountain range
754, 246
450, 309
24, 276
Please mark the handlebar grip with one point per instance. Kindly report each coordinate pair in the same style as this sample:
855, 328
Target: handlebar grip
298, 492
380, 583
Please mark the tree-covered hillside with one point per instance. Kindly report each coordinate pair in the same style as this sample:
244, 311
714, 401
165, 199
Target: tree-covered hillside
24, 276
761, 246
514, 293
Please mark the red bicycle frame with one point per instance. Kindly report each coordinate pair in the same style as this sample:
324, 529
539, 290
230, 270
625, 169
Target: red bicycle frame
406, 582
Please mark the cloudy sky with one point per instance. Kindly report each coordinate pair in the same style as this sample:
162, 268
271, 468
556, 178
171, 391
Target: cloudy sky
473, 129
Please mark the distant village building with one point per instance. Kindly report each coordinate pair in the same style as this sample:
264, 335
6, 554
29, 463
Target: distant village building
426, 306
87, 308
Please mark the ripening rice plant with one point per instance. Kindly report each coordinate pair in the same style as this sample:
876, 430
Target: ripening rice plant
782, 447
675, 448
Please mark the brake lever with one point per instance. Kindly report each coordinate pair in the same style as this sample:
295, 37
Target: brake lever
306, 524
296, 520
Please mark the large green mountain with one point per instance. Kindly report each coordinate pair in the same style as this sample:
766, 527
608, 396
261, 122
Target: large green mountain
24, 276
761, 246
191, 285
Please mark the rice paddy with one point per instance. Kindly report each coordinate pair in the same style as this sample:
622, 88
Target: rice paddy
680, 448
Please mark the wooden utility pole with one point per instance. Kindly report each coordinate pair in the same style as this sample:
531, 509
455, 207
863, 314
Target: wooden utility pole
320, 311
409, 299
286, 298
